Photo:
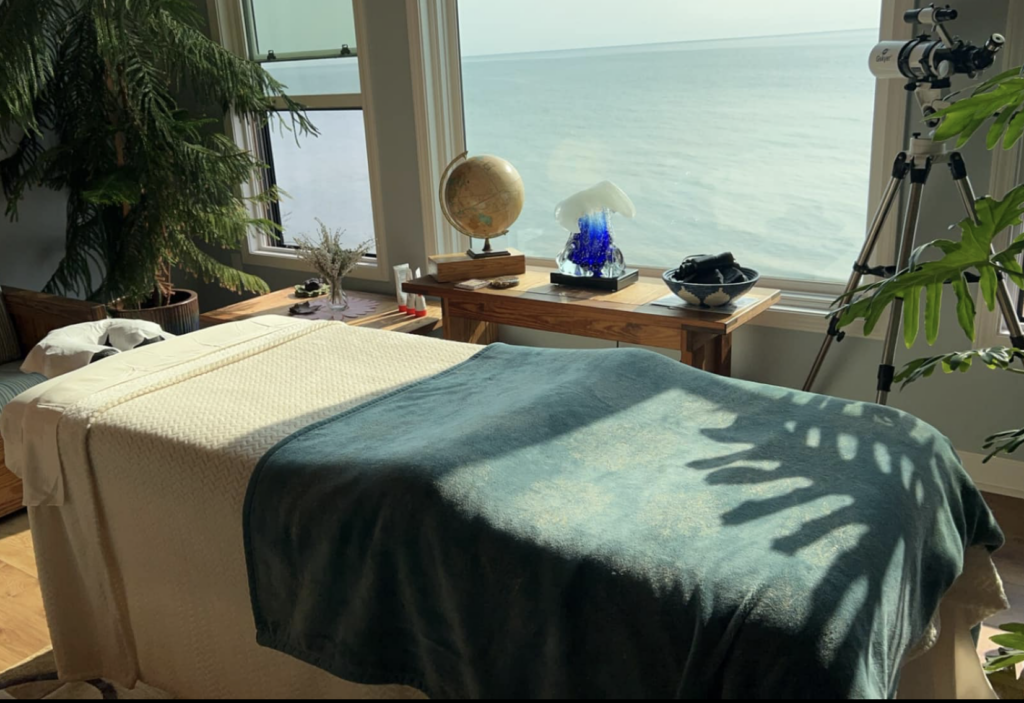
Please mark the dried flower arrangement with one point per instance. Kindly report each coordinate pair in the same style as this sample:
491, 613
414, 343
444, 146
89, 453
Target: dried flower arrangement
327, 256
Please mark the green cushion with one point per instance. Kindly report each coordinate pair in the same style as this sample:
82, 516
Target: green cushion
13, 382
10, 349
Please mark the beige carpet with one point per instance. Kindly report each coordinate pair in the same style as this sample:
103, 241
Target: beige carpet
35, 679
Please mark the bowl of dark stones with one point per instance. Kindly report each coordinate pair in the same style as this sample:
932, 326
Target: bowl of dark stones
710, 281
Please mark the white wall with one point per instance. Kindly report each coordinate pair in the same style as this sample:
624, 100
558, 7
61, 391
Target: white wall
31, 248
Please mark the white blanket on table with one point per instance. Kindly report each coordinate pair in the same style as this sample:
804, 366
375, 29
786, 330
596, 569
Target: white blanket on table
137, 469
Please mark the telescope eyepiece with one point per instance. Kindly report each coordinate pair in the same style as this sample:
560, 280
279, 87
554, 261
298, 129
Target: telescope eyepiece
930, 15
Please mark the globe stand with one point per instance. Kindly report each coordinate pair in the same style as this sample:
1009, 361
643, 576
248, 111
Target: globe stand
488, 252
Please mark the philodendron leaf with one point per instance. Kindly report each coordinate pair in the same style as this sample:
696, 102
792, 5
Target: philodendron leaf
972, 253
1010, 641
911, 316
995, 132
1014, 131
961, 362
955, 122
933, 313
1003, 94
1015, 627
965, 308
972, 127
1004, 442
989, 286
996, 358
996, 80
1011, 263
1000, 663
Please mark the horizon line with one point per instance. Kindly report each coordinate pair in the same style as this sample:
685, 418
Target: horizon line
666, 43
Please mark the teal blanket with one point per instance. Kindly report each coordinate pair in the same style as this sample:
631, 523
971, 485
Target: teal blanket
544, 523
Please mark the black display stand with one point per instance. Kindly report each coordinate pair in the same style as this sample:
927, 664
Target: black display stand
627, 279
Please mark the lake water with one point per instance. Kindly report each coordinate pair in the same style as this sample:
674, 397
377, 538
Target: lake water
757, 146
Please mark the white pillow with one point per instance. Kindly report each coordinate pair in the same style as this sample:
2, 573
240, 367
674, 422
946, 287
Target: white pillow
74, 347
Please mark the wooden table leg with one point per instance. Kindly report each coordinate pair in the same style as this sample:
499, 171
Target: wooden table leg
696, 349
463, 329
685, 354
721, 355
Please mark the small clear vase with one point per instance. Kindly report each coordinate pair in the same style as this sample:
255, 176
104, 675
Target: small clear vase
338, 301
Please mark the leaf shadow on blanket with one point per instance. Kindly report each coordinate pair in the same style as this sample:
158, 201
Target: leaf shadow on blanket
886, 498
662, 532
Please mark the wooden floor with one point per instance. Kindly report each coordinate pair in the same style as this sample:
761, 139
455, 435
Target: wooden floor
23, 629
1010, 562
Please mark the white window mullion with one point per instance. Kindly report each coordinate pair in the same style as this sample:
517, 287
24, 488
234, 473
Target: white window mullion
437, 88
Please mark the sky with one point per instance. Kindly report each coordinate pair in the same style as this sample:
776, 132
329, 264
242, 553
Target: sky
512, 26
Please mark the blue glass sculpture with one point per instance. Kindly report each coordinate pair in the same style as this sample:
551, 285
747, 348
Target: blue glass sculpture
591, 250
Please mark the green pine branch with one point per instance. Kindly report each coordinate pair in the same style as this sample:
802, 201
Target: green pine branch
147, 180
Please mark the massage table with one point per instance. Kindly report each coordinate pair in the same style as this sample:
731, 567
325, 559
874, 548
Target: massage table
136, 470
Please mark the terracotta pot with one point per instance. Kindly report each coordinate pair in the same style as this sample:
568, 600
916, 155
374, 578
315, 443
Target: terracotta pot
180, 317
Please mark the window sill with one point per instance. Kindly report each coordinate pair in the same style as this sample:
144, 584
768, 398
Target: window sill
284, 259
801, 312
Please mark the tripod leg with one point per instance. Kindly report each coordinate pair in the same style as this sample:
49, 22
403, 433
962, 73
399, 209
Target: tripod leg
1006, 305
887, 371
899, 173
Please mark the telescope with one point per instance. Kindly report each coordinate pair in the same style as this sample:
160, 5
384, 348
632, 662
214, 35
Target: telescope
928, 63
933, 59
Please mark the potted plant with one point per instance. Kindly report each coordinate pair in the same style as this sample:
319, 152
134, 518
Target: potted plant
89, 106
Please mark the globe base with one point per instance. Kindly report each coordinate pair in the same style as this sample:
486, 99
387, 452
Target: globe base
487, 254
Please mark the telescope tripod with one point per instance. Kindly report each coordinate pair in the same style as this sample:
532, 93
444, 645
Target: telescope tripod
916, 163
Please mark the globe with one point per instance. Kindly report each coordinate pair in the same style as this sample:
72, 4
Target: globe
482, 196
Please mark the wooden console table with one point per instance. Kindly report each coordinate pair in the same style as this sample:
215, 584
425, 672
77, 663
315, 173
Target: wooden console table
386, 316
703, 339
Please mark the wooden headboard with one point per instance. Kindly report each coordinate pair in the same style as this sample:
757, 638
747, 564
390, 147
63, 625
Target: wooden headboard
35, 315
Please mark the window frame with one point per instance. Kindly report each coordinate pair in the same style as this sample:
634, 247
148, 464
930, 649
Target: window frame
1007, 173
434, 32
227, 24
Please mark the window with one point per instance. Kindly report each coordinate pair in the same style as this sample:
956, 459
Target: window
743, 126
311, 46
